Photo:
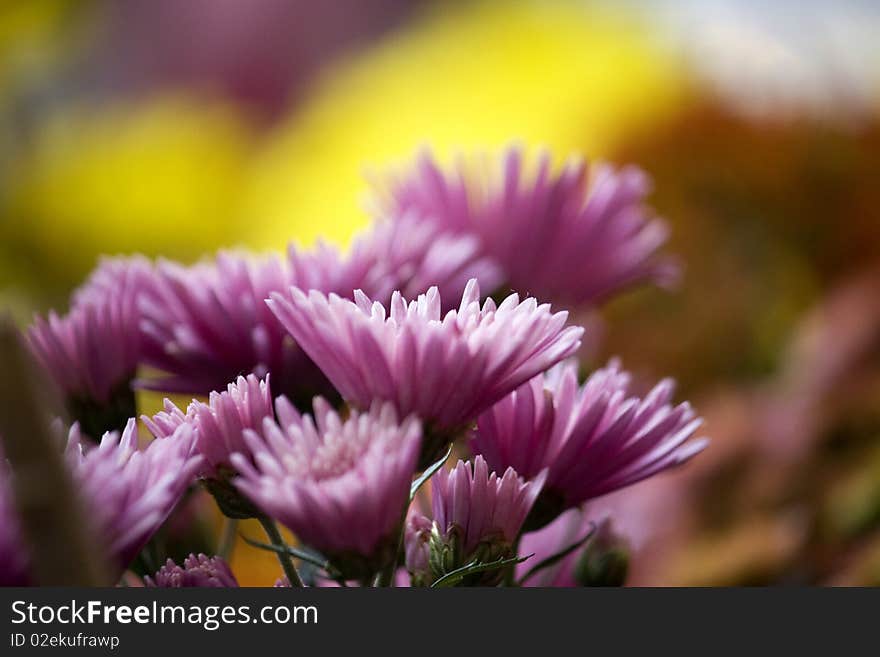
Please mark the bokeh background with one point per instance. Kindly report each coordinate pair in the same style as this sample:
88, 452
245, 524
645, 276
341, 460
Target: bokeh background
174, 128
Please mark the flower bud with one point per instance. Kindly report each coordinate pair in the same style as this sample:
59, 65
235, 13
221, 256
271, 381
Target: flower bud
605, 561
477, 519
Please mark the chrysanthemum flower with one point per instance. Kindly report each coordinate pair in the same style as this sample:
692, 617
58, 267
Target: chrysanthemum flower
573, 237
341, 486
592, 439
477, 517
126, 276
128, 491
219, 428
92, 352
219, 424
197, 572
445, 370
206, 324
13, 555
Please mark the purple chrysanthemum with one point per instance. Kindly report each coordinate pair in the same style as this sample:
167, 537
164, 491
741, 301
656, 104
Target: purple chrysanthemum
340, 485
219, 425
572, 237
92, 353
206, 324
126, 276
13, 555
446, 371
477, 517
197, 572
129, 492
592, 439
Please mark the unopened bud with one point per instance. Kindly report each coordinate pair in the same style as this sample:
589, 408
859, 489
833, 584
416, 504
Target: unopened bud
605, 560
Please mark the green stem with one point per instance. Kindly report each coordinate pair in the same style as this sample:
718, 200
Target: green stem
283, 556
386, 577
227, 539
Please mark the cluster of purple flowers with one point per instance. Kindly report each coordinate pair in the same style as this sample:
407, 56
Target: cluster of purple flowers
387, 363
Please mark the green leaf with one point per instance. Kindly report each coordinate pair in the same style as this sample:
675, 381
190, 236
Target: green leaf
427, 474
454, 577
559, 556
